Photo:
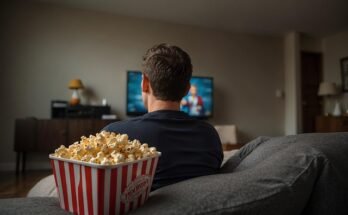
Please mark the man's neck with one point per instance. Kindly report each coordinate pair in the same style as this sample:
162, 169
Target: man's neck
157, 105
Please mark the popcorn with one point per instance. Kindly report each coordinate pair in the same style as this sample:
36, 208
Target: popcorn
106, 161
122, 139
100, 155
61, 149
152, 150
106, 148
131, 158
129, 149
144, 147
86, 158
95, 160
118, 157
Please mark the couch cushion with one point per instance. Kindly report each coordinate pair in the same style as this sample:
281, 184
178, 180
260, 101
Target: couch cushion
31, 206
235, 160
280, 185
46, 187
329, 194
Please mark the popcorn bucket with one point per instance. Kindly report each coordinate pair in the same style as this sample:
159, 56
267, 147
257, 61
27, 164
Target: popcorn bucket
87, 188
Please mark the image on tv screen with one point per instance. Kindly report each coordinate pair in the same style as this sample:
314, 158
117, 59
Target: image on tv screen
135, 104
198, 102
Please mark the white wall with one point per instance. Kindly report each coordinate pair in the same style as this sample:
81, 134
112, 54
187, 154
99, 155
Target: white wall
46, 46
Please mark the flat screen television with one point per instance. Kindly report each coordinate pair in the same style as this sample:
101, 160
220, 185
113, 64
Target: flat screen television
197, 103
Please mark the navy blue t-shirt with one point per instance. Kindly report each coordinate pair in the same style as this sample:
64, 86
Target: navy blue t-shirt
189, 147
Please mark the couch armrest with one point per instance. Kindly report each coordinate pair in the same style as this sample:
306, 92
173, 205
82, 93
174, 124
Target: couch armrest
44, 188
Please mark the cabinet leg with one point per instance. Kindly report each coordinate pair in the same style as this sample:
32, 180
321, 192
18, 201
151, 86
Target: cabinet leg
18, 160
23, 161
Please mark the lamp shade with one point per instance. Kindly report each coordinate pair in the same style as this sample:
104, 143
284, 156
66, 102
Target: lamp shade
327, 89
75, 84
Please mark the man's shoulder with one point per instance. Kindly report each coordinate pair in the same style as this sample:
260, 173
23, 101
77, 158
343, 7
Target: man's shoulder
122, 124
205, 124
206, 127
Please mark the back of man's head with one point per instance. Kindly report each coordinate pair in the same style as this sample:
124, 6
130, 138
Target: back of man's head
169, 71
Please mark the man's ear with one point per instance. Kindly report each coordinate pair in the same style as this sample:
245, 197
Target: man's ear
145, 84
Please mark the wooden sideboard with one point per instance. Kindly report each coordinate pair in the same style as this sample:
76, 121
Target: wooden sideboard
45, 135
331, 124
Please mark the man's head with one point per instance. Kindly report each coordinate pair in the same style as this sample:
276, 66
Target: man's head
167, 72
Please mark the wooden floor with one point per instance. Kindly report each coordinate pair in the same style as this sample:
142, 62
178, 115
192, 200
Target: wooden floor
12, 186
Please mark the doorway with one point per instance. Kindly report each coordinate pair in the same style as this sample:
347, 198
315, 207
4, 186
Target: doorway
311, 76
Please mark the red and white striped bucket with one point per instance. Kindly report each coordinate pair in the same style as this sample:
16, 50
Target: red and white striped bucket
86, 188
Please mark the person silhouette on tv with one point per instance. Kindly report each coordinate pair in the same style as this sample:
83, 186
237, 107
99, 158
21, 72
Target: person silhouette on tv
193, 104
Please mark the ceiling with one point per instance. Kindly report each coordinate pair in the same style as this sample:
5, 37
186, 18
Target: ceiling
313, 17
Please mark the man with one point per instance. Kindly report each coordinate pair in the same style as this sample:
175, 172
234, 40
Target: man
194, 102
190, 148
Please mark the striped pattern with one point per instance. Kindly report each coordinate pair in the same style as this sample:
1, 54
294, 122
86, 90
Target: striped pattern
90, 190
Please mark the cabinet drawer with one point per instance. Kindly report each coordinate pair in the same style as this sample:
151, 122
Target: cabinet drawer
25, 134
343, 125
78, 128
331, 124
51, 134
46, 135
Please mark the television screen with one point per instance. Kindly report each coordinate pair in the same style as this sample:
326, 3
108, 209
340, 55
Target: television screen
197, 103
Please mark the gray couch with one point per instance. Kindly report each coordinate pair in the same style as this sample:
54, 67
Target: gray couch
301, 174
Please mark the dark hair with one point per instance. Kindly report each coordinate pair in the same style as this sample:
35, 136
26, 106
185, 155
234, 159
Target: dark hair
169, 71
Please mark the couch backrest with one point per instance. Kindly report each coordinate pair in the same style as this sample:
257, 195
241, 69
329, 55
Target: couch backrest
268, 176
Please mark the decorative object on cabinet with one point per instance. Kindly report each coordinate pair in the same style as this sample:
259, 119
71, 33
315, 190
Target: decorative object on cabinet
329, 89
75, 85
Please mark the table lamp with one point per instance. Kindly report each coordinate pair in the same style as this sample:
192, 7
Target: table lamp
75, 85
329, 89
